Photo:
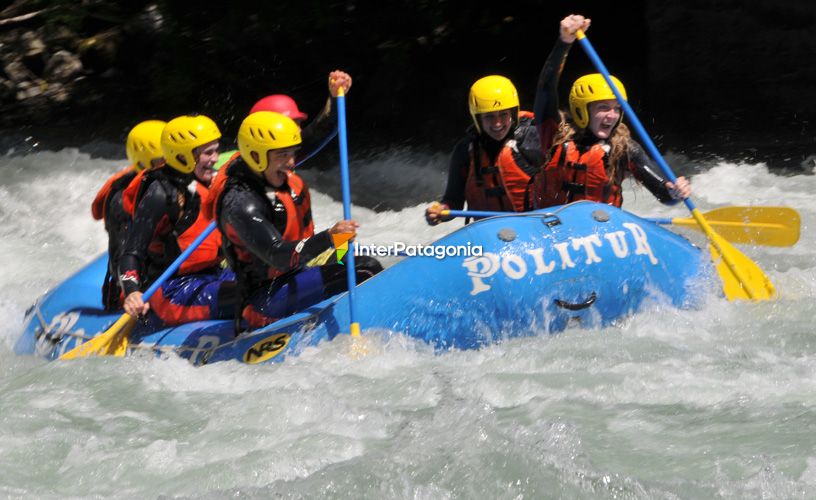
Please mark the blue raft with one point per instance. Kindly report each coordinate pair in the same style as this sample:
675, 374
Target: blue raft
516, 275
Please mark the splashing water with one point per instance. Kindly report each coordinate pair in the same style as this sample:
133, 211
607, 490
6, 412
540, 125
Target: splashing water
717, 402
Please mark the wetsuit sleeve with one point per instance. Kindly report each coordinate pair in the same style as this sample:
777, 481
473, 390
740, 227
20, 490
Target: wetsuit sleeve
529, 146
648, 174
547, 116
454, 196
247, 223
116, 223
317, 133
152, 208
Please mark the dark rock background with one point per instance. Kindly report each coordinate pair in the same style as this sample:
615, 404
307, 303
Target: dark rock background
728, 78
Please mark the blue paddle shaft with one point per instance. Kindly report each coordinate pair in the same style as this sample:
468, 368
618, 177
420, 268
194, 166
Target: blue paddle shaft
633, 119
475, 213
346, 189
322, 145
178, 262
478, 213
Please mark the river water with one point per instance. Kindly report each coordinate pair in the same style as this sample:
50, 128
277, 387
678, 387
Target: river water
712, 403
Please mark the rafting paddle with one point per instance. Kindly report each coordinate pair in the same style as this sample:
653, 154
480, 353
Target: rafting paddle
114, 340
741, 277
354, 326
766, 226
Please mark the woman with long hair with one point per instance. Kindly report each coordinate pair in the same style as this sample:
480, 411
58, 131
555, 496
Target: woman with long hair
590, 149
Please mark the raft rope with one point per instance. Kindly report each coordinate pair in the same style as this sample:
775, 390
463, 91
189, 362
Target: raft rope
47, 333
44, 331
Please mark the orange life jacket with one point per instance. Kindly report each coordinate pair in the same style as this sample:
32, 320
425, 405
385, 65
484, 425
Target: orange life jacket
499, 187
217, 188
571, 176
179, 234
296, 200
117, 182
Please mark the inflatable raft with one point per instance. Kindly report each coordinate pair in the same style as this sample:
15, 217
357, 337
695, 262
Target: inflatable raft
583, 264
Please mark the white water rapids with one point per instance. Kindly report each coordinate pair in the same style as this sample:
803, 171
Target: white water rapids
718, 402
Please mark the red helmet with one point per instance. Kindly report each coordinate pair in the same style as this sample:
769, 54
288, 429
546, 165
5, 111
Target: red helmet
279, 103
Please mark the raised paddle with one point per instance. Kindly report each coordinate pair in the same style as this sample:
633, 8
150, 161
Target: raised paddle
741, 277
765, 226
354, 326
114, 341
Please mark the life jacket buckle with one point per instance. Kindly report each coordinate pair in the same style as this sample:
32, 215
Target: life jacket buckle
574, 188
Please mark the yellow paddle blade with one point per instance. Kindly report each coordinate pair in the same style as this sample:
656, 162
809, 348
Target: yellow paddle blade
741, 277
359, 344
112, 342
322, 259
118, 345
769, 226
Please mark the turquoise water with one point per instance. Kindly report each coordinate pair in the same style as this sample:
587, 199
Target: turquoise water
714, 403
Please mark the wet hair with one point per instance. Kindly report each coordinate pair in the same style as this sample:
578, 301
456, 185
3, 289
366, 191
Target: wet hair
619, 141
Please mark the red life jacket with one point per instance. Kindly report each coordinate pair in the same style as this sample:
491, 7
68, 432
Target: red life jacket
207, 254
296, 200
571, 176
499, 187
175, 237
130, 192
117, 182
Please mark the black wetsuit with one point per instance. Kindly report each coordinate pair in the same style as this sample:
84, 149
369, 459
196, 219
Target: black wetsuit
253, 226
117, 222
158, 216
548, 118
168, 206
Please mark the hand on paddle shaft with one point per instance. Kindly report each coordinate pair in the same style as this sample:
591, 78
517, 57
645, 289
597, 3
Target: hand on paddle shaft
436, 213
679, 190
338, 79
345, 227
570, 26
135, 306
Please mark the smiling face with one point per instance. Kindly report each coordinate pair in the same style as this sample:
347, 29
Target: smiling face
603, 116
497, 124
206, 157
281, 161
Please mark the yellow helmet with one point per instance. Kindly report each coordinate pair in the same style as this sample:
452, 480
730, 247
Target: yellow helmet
587, 89
182, 135
491, 93
144, 144
263, 131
